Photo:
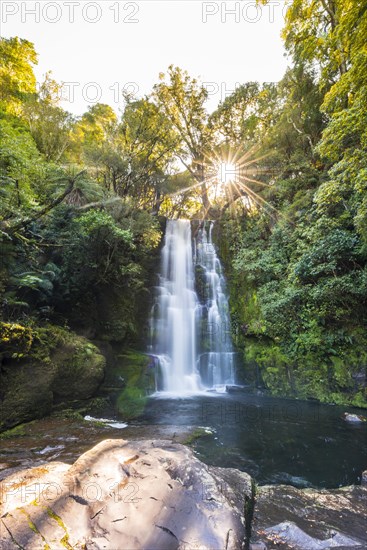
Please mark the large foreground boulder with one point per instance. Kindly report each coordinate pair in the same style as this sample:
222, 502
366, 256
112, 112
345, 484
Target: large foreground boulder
124, 495
155, 495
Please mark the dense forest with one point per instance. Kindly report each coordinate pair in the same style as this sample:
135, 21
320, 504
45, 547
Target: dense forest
84, 202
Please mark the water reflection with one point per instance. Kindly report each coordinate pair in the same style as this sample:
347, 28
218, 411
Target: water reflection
275, 440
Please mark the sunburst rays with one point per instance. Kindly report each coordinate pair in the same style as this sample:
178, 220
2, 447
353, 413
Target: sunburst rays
230, 175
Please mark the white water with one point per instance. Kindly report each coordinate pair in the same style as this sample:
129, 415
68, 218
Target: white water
190, 338
216, 353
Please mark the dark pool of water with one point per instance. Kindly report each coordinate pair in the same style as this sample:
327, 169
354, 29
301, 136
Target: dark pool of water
275, 440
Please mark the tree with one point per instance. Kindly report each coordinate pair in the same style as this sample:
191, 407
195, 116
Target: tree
20, 166
149, 143
181, 98
344, 148
49, 124
13, 226
130, 156
95, 143
326, 34
299, 122
17, 79
244, 117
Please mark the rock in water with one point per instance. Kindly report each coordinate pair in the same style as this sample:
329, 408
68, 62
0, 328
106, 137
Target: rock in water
310, 519
125, 495
349, 417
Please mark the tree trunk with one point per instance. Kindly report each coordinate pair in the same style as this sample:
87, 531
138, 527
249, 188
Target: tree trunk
11, 229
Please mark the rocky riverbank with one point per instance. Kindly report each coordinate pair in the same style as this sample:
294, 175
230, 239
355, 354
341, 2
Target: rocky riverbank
155, 494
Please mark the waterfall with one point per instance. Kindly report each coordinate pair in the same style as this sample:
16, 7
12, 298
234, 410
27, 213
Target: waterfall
190, 328
216, 351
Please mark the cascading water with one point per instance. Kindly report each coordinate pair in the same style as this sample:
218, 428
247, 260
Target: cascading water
190, 336
174, 320
216, 351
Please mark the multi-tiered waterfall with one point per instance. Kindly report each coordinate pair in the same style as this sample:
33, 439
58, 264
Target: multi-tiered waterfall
215, 360
190, 320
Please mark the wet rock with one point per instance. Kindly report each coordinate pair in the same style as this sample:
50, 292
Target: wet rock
71, 369
257, 546
349, 417
364, 478
142, 494
80, 370
237, 388
300, 519
154, 494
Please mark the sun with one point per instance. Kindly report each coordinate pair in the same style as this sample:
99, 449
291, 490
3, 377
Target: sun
227, 172
231, 175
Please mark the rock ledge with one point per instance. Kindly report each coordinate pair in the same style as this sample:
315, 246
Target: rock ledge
154, 494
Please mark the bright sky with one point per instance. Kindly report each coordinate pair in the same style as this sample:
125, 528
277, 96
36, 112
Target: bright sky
103, 47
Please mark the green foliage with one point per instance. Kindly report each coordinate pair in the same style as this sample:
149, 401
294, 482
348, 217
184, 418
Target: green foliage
244, 116
49, 124
17, 80
78, 233
181, 100
20, 166
100, 253
298, 278
101, 247
310, 294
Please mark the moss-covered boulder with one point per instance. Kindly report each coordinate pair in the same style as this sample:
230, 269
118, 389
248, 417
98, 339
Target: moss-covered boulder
80, 369
135, 371
58, 366
16, 340
139, 375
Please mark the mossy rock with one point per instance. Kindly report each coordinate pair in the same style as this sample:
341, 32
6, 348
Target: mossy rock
201, 283
59, 366
18, 431
79, 369
196, 434
15, 339
131, 402
25, 391
326, 382
135, 368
